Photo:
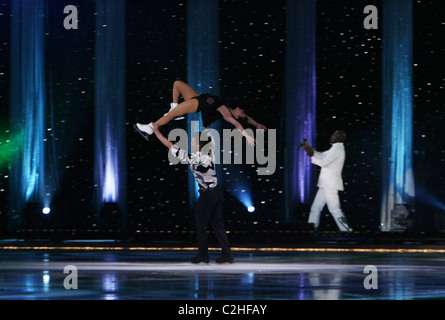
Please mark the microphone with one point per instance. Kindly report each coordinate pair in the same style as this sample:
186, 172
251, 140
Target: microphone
301, 144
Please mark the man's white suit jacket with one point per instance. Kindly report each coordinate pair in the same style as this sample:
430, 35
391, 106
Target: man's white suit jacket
331, 163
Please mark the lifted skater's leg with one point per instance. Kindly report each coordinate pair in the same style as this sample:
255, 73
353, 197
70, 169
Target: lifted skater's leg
189, 106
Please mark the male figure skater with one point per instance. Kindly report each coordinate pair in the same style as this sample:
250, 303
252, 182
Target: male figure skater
329, 181
209, 205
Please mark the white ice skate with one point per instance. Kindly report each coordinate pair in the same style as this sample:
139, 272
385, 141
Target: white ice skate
172, 106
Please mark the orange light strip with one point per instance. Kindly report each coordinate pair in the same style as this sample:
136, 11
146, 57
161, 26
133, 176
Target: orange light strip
260, 249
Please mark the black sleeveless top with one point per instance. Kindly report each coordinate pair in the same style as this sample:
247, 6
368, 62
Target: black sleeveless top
208, 106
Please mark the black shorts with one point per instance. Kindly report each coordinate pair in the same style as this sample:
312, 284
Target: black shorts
208, 106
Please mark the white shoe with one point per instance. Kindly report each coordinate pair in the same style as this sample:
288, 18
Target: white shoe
147, 128
172, 106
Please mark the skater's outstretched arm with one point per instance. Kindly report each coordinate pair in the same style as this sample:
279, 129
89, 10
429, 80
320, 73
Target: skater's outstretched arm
227, 115
178, 153
161, 137
205, 160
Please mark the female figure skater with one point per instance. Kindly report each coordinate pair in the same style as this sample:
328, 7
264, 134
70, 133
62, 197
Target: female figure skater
212, 108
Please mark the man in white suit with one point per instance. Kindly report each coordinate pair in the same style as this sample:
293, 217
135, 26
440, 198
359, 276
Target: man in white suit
329, 181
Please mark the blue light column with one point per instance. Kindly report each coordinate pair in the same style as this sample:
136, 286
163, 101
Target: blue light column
300, 115
110, 153
202, 65
28, 107
398, 181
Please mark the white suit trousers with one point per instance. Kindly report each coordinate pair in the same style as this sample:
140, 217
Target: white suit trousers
330, 197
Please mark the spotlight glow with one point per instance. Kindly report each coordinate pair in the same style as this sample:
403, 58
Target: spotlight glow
251, 209
110, 184
46, 210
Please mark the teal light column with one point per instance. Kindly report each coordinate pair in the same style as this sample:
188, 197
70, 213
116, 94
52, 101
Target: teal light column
398, 181
28, 109
202, 65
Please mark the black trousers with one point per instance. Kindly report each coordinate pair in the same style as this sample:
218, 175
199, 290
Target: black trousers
209, 209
